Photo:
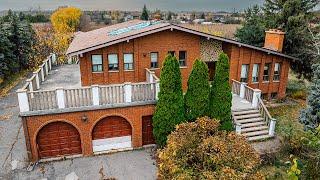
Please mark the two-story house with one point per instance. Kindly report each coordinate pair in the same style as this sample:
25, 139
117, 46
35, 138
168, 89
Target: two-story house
119, 67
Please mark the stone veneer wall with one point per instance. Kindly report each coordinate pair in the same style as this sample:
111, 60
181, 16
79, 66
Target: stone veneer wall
210, 49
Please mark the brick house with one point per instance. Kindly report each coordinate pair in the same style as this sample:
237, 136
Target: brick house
119, 70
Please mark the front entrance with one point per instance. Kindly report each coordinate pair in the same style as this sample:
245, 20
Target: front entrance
147, 130
111, 133
58, 139
212, 69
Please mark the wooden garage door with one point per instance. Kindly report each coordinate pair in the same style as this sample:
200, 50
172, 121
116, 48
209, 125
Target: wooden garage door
111, 133
147, 128
58, 139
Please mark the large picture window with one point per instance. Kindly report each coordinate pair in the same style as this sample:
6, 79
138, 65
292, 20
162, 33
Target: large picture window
244, 73
128, 61
97, 63
154, 60
113, 62
266, 72
276, 76
255, 73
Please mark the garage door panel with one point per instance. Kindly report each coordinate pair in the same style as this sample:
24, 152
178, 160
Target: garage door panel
58, 139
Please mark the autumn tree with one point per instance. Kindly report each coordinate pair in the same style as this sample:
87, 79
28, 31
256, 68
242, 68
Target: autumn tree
196, 99
170, 107
65, 22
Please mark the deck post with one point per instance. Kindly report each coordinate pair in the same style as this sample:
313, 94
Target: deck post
95, 95
255, 98
23, 100
242, 89
30, 86
238, 128
151, 74
37, 79
49, 62
272, 127
157, 89
46, 67
60, 98
42, 72
127, 92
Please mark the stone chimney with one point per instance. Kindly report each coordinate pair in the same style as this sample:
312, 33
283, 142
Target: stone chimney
274, 40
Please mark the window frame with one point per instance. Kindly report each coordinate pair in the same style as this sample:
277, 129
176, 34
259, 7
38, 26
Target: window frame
276, 77
96, 65
255, 79
266, 78
113, 70
244, 79
154, 63
183, 60
124, 63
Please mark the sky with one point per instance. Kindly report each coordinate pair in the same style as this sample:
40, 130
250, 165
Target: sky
172, 5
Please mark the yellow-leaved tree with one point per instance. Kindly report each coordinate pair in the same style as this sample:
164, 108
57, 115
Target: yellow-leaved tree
65, 22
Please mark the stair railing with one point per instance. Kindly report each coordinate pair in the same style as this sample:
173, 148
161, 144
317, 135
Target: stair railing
271, 122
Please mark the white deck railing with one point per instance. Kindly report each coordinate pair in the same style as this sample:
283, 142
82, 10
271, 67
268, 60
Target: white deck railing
254, 97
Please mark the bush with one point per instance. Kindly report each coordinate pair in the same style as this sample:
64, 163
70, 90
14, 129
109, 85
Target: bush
296, 89
198, 150
196, 99
220, 94
170, 107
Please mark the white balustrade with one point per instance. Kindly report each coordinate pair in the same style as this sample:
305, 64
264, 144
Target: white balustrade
23, 100
95, 95
255, 98
127, 92
272, 127
60, 98
242, 89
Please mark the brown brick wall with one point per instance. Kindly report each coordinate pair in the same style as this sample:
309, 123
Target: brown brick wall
133, 115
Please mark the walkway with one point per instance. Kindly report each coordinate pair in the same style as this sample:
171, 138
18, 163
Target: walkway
239, 104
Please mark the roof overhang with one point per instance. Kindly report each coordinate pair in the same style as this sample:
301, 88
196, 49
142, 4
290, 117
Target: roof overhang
180, 28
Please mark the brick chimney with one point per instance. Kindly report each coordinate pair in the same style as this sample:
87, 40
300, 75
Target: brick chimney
274, 40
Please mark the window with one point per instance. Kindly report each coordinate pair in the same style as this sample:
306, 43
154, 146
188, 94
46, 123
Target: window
264, 96
128, 61
182, 58
244, 73
154, 59
276, 76
172, 53
97, 65
274, 95
266, 72
113, 62
255, 73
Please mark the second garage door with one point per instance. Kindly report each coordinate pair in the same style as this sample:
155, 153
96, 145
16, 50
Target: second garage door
111, 133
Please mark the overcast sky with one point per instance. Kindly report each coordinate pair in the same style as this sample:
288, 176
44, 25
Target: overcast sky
173, 5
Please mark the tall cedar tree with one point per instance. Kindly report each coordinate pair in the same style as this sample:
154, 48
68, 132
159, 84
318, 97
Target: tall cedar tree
310, 116
253, 29
196, 99
170, 107
220, 94
145, 14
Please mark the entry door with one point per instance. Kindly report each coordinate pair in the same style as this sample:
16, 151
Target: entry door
212, 69
147, 130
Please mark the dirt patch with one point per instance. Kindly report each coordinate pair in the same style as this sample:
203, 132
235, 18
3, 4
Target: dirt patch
5, 117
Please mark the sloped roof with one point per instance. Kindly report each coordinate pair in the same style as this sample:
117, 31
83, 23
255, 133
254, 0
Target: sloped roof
87, 41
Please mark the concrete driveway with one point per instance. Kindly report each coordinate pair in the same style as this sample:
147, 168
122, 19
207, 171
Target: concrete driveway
136, 164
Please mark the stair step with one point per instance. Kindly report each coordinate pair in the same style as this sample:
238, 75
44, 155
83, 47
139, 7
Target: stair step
244, 109
251, 120
256, 133
250, 129
247, 116
237, 113
261, 137
247, 125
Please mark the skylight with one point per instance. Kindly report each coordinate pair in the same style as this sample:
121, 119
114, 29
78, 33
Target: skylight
131, 28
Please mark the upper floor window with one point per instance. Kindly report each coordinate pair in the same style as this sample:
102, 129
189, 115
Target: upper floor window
255, 73
182, 58
276, 76
113, 63
172, 53
244, 73
266, 72
97, 63
154, 59
128, 61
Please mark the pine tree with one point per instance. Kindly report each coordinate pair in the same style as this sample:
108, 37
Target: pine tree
196, 99
253, 29
220, 94
145, 13
310, 116
6, 54
170, 107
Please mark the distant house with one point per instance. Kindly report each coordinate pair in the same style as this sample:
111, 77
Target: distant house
120, 66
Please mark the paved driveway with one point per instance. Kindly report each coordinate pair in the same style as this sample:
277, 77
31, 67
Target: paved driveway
136, 164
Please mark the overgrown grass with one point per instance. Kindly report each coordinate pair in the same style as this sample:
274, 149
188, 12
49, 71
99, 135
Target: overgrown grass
11, 82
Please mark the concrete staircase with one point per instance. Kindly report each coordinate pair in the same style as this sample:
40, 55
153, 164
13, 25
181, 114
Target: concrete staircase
253, 126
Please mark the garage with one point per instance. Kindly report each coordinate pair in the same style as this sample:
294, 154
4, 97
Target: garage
111, 133
58, 139
147, 130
